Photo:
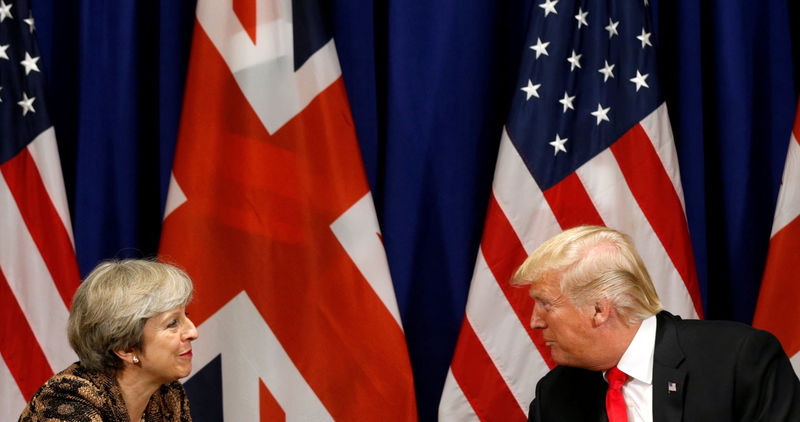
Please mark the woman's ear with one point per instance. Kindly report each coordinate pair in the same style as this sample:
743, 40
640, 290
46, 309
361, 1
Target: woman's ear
128, 356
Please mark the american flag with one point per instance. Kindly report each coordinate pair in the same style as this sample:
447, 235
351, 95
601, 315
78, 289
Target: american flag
270, 213
587, 141
38, 270
778, 309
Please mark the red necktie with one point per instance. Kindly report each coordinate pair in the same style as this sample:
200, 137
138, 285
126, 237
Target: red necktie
615, 403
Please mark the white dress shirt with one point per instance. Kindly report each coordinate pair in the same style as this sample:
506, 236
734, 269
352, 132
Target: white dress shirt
637, 362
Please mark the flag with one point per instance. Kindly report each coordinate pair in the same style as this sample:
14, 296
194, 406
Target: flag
587, 141
778, 308
270, 213
38, 270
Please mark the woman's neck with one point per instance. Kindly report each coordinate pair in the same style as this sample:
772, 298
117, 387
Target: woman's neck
136, 391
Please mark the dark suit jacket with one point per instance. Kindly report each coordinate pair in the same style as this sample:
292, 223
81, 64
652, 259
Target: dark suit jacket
723, 371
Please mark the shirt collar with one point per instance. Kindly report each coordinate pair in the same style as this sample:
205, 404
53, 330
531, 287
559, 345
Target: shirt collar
637, 361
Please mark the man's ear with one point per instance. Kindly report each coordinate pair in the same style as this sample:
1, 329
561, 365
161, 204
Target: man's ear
602, 311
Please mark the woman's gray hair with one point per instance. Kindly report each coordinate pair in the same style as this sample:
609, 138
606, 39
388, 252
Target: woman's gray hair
113, 303
594, 262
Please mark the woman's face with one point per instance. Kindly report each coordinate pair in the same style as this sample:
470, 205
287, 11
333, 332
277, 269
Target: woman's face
166, 353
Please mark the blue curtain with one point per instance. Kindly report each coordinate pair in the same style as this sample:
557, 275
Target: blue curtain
430, 84
116, 73
732, 95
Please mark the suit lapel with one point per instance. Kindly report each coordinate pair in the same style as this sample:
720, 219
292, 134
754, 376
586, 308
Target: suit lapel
669, 381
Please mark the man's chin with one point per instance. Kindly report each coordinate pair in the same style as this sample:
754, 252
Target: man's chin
558, 357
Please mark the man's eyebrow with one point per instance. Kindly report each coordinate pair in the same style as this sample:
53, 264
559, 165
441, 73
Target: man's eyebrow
538, 296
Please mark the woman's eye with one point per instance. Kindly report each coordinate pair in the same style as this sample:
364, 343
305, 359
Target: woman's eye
172, 323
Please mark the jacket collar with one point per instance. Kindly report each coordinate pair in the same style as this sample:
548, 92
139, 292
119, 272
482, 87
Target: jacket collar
669, 380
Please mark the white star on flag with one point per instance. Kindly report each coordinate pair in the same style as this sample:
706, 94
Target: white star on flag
644, 38
26, 104
30, 22
567, 101
574, 60
30, 63
3, 49
558, 145
607, 71
581, 17
540, 47
531, 90
612, 28
5, 11
549, 6
639, 80
601, 114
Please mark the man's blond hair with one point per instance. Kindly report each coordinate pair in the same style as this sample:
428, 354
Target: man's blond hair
594, 262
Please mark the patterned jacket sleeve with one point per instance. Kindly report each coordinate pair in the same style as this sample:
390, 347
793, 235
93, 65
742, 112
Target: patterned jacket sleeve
64, 397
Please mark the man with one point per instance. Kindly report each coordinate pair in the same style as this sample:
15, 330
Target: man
601, 318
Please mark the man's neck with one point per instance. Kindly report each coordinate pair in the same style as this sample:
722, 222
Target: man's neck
617, 342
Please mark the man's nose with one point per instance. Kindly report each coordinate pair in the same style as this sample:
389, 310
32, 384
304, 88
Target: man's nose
537, 322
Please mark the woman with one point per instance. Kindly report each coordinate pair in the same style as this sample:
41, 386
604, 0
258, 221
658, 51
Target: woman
129, 327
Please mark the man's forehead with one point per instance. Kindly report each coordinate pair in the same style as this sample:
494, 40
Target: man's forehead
546, 286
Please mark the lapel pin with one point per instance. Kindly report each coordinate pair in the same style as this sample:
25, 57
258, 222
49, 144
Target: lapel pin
672, 387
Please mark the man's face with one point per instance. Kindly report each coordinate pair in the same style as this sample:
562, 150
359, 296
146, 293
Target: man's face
567, 329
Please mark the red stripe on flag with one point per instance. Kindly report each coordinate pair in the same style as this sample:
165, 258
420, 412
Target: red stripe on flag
43, 222
571, 205
651, 186
245, 10
269, 408
777, 310
19, 347
484, 388
504, 254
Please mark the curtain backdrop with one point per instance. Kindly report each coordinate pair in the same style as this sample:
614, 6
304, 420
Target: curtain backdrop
430, 85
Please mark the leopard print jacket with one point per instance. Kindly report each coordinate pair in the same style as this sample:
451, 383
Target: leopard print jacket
78, 394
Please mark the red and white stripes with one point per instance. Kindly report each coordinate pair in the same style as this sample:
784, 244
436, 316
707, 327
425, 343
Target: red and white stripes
38, 272
634, 186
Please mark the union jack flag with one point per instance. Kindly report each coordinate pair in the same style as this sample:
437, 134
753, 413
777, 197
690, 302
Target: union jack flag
777, 309
270, 213
38, 270
587, 141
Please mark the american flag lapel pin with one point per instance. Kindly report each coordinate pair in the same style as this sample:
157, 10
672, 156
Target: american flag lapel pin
672, 387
